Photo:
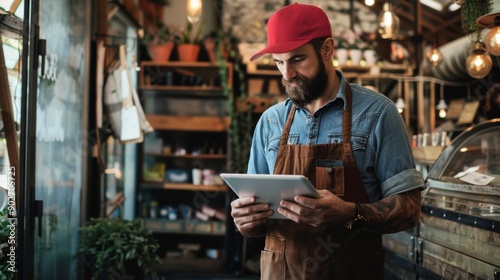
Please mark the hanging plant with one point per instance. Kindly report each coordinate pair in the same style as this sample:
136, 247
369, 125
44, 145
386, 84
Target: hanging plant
241, 121
471, 10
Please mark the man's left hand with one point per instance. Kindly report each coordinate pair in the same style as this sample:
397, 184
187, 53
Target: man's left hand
317, 212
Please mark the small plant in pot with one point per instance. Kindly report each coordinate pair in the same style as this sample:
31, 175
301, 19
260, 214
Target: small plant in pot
159, 39
189, 40
114, 247
7, 231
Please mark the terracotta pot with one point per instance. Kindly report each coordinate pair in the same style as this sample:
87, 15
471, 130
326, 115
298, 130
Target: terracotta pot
210, 44
188, 52
161, 52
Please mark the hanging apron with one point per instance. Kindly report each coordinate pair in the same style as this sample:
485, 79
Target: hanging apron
298, 251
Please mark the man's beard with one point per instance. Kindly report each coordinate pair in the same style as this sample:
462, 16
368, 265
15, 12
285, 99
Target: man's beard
307, 89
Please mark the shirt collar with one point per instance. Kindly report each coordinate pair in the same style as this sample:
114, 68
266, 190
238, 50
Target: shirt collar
341, 92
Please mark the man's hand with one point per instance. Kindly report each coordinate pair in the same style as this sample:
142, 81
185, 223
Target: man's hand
250, 218
318, 212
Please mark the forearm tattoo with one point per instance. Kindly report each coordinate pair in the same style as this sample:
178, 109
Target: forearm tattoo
394, 213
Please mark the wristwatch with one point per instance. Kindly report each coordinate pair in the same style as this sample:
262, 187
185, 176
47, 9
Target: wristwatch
359, 220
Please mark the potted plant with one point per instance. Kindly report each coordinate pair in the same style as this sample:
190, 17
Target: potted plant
188, 41
239, 111
341, 48
158, 37
7, 230
160, 41
113, 246
355, 45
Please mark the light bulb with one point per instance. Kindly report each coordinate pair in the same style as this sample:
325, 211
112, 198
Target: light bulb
492, 41
478, 63
194, 8
369, 2
388, 23
434, 56
400, 104
442, 108
442, 113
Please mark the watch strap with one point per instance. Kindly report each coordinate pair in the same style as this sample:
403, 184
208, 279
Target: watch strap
359, 217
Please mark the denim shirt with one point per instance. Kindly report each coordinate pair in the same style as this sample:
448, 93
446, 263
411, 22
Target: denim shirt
380, 142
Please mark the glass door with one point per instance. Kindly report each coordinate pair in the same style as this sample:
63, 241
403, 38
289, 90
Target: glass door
60, 135
43, 140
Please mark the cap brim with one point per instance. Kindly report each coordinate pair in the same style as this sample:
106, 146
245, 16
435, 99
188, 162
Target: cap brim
280, 48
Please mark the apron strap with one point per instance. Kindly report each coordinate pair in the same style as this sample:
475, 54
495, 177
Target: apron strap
346, 128
286, 129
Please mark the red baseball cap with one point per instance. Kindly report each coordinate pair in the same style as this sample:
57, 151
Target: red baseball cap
293, 26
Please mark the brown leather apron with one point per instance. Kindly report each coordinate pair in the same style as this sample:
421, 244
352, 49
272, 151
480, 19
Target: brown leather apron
297, 251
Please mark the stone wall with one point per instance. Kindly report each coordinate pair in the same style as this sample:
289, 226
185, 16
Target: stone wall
248, 18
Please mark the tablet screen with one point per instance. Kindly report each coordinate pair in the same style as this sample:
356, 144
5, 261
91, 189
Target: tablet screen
269, 188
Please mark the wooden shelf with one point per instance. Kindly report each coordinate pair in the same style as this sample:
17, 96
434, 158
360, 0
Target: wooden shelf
190, 156
185, 187
192, 226
205, 89
189, 123
208, 70
173, 64
183, 232
191, 264
384, 69
166, 231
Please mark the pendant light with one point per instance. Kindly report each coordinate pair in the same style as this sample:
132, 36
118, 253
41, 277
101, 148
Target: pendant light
478, 63
400, 103
434, 56
492, 20
442, 106
194, 8
388, 22
369, 3
492, 39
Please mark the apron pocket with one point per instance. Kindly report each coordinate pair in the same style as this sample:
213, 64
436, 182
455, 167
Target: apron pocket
272, 258
272, 265
330, 176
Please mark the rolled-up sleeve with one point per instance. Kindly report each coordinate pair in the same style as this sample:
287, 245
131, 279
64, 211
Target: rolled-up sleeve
407, 180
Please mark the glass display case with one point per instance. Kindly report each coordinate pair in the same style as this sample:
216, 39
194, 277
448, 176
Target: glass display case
459, 231
458, 236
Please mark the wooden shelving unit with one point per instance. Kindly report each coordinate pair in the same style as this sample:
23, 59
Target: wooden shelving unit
189, 123
185, 104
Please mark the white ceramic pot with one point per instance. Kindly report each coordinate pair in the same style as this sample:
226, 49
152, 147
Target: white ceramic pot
341, 56
355, 56
370, 57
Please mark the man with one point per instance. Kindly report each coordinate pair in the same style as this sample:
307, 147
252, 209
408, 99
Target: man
349, 141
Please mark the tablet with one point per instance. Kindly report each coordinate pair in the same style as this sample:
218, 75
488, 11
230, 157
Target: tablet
269, 188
